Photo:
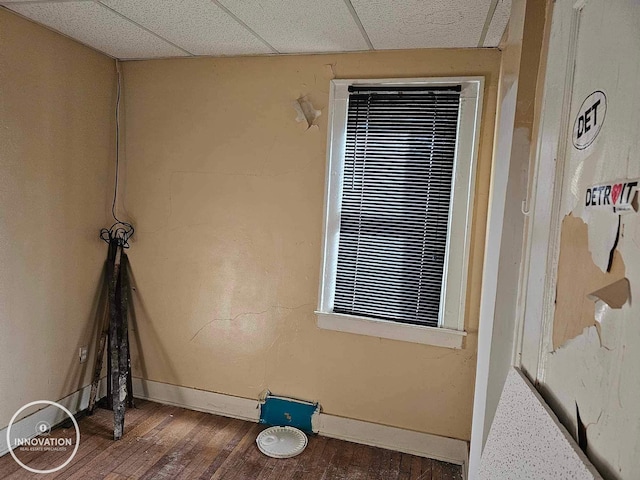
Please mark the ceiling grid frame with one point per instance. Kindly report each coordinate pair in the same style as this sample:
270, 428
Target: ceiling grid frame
241, 22
356, 19
325, 28
101, 3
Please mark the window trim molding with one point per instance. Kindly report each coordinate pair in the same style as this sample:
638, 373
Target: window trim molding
406, 332
450, 330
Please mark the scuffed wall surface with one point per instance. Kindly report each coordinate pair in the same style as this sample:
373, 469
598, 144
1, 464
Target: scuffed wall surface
600, 374
56, 162
226, 191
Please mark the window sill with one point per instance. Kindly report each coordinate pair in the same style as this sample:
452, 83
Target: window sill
439, 337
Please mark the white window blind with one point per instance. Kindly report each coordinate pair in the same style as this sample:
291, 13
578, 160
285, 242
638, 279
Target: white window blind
396, 198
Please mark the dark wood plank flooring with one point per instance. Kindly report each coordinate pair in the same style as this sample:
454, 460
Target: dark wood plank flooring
166, 442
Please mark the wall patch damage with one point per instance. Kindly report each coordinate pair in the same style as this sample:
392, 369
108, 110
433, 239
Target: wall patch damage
615, 294
306, 112
575, 310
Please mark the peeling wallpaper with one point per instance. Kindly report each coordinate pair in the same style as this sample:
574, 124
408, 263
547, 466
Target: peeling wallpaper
599, 373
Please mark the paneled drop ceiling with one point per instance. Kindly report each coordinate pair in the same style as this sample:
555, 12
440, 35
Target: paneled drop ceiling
136, 29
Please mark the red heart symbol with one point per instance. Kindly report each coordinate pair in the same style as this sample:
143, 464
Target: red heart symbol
615, 192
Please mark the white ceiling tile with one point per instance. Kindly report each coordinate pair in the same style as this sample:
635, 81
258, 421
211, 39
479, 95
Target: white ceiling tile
2, 2
498, 23
198, 26
98, 27
422, 24
291, 26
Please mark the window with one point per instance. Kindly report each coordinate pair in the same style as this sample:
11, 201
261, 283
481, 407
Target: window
398, 208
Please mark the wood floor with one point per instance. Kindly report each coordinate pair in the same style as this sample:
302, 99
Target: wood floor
165, 442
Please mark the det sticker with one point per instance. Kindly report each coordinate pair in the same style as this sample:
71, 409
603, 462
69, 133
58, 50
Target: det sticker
589, 120
618, 196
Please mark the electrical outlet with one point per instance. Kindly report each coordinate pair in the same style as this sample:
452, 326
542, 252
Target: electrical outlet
83, 354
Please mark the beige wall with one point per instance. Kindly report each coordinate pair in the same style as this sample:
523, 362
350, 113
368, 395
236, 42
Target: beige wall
518, 103
56, 157
226, 192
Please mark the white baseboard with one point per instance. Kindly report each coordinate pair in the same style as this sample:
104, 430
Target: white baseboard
392, 438
26, 427
200, 400
357, 431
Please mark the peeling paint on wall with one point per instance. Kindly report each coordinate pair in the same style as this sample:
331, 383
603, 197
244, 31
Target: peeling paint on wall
598, 372
306, 112
615, 294
581, 430
579, 277
330, 70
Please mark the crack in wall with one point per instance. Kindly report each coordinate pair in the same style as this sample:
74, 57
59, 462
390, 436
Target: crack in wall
243, 314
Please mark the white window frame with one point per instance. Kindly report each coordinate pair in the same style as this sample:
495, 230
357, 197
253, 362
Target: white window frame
450, 331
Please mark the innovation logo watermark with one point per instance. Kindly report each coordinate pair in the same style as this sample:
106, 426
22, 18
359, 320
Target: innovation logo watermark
60, 447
